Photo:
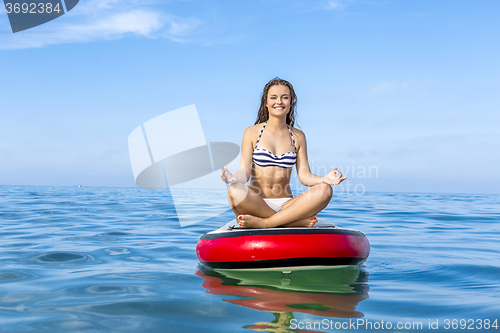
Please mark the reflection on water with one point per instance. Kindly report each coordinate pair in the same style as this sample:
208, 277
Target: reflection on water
333, 292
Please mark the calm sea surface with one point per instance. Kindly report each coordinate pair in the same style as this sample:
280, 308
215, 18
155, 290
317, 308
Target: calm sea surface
117, 260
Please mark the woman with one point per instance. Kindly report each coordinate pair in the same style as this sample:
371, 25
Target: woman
269, 150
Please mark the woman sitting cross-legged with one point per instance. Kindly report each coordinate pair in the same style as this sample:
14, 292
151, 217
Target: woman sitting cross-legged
269, 151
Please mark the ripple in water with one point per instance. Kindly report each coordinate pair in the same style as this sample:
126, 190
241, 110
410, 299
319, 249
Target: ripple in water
62, 257
13, 276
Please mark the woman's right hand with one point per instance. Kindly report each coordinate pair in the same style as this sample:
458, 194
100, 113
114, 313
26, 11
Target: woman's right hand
227, 177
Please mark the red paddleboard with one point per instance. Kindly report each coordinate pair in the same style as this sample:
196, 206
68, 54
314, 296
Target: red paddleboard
232, 247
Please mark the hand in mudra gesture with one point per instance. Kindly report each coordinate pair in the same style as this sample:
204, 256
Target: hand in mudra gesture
334, 177
227, 177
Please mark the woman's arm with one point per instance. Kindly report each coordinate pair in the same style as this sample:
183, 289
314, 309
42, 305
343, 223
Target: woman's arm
242, 175
306, 177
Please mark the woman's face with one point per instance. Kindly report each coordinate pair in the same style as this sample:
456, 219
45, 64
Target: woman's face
278, 100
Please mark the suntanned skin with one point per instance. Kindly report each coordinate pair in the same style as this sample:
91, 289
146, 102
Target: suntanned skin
247, 202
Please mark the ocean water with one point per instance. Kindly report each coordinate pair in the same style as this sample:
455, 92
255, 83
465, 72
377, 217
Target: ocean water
116, 260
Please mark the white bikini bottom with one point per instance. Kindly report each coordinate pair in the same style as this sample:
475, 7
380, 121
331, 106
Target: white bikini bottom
276, 203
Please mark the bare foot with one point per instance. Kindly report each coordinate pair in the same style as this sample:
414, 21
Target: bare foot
250, 221
308, 222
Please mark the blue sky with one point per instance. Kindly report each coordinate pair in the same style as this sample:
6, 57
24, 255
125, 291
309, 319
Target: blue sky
409, 88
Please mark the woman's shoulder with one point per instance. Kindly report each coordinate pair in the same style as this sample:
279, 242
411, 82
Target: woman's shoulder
251, 133
297, 133
254, 127
250, 130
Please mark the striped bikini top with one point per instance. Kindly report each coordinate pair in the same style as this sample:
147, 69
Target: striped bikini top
265, 158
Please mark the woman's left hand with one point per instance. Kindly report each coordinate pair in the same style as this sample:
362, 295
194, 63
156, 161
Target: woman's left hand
334, 177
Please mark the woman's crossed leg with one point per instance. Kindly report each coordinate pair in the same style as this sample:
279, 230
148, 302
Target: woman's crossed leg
299, 211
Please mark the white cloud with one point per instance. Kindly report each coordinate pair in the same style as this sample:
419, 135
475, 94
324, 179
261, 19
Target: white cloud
334, 4
382, 87
388, 86
138, 22
102, 20
301, 6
